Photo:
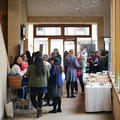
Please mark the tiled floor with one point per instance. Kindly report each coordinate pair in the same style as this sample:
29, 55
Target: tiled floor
73, 109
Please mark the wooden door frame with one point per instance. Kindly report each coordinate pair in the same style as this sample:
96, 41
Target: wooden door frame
64, 39
75, 43
62, 26
62, 36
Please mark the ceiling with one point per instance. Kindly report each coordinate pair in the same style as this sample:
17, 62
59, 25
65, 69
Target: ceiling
68, 7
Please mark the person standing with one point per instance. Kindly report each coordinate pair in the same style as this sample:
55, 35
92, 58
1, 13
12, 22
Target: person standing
55, 85
91, 62
71, 65
96, 62
38, 74
80, 72
29, 58
85, 56
56, 54
46, 97
65, 69
102, 61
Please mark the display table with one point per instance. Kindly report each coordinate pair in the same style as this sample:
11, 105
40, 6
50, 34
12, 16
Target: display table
98, 97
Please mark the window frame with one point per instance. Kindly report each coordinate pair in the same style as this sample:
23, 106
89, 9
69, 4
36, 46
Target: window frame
63, 30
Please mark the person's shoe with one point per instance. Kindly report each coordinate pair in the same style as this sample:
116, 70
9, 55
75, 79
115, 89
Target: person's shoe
72, 96
67, 96
76, 92
51, 104
82, 93
39, 112
59, 110
53, 111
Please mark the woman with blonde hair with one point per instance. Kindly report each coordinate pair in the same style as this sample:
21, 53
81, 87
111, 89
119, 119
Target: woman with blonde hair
71, 65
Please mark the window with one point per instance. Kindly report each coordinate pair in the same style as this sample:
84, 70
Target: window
30, 38
77, 31
41, 41
89, 43
63, 30
48, 31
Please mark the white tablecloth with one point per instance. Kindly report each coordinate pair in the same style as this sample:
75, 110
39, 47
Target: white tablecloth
98, 98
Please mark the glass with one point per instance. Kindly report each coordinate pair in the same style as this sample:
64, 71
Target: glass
57, 44
84, 31
107, 40
85, 43
30, 38
69, 45
48, 31
41, 41
89, 43
95, 36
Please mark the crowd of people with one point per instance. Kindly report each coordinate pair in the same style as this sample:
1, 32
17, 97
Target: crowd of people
98, 61
43, 75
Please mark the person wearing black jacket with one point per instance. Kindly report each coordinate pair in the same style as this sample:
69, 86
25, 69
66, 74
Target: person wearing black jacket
55, 84
91, 62
30, 62
96, 62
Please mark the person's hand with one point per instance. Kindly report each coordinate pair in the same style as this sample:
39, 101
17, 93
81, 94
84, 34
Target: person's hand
25, 76
25, 71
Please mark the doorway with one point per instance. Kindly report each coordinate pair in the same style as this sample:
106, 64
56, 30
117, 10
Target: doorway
57, 43
62, 45
70, 44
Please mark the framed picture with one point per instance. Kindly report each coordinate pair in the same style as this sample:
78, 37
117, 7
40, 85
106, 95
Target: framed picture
23, 32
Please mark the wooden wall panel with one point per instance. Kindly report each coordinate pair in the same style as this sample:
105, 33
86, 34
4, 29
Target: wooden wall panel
115, 36
115, 51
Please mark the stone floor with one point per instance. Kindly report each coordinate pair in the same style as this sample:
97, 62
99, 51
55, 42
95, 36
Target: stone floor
73, 109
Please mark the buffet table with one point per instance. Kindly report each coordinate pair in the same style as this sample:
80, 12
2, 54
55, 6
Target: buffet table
98, 95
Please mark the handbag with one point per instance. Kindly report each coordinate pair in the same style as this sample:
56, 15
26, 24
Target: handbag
9, 110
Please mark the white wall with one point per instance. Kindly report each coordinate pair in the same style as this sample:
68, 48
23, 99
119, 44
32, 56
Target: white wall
3, 74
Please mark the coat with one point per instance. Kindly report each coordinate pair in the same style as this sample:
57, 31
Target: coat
37, 81
55, 83
71, 64
96, 64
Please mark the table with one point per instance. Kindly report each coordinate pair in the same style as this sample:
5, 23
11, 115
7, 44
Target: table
98, 98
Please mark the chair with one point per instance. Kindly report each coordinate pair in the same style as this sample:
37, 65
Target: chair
15, 82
